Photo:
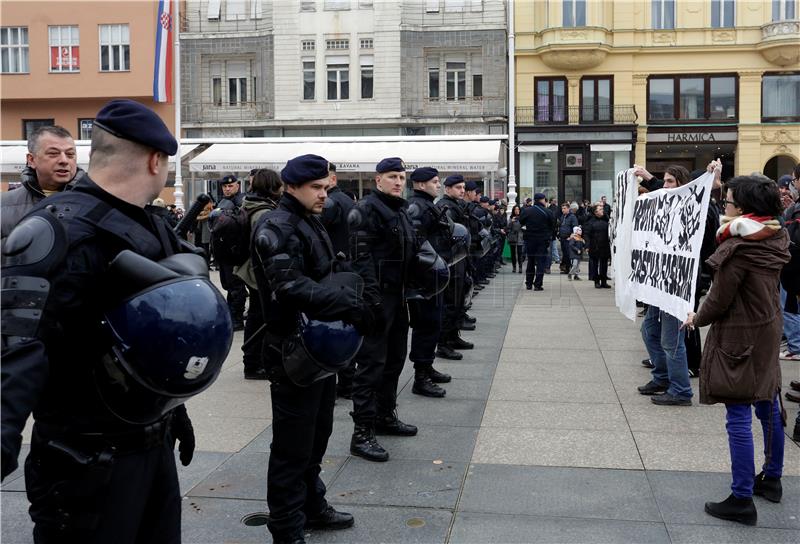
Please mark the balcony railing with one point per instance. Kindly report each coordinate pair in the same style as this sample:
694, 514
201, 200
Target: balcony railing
577, 115
215, 112
486, 106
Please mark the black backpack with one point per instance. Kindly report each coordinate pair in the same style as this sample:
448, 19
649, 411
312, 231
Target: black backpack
230, 236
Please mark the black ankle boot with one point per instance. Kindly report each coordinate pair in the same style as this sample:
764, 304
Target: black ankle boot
597, 284
456, 342
438, 377
364, 444
390, 424
425, 387
734, 509
446, 352
769, 488
330, 519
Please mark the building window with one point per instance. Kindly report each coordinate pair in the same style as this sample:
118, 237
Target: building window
115, 48
338, 82
235, 10
784, 10
431, 6
663, 14
14, 50
213, 10
237, 91
365, 4
692, 98
454, 6
366, 43
337, 4
29, 125
308, 5
574, 13
309, 79
780, 97
456, 82
216, 91
551, 100
64, 48
722, 13
367, 69
332, 45
433, 82
477, 85
596, 98
308, 45
85, 129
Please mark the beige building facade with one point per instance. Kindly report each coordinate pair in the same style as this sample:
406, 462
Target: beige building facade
603, 84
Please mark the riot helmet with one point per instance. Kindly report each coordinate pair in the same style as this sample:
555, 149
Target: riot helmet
319, 349
460, 243
430, 274
168, 339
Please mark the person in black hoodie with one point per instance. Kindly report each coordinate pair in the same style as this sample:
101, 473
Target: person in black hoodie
599, 246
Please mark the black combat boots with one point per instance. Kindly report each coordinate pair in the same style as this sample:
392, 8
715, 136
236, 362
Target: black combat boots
456, 342
446, 352
330, 519
438, 377
390, 424
364, 444
734, 509
769, 488
425, 387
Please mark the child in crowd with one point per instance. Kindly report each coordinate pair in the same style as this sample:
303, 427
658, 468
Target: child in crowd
576, 245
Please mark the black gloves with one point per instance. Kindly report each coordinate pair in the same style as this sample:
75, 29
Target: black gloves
181, 430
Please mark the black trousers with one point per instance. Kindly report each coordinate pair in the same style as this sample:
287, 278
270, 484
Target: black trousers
379, 363
426, 325
516, 255
251, 356
236, 289
127, 498
302, 421
598, 268
537, 259
565, 260
453, 301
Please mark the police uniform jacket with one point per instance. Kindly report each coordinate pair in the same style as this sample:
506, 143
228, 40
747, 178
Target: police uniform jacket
537, 223
334, 217
454, 209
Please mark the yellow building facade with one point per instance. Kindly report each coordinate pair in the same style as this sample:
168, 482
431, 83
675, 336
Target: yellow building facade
603, 84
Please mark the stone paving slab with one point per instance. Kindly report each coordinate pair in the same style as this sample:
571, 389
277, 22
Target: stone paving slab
561, 492
17, 527
729, 534
454, 412
552, 371
564, 392
399, 482
457, 389
482, 528
401, 525
553, 415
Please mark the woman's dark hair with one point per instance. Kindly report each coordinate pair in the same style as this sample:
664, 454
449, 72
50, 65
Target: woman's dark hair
517, 209
756, 194
680, 174
266, 183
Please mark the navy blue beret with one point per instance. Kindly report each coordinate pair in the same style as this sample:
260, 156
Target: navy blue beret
485, 199
453, 180
493, 202
304, 168
539, 196
426, 173
391, 164
228, 179
130, 120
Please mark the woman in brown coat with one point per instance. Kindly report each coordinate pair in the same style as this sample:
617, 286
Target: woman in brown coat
740, 358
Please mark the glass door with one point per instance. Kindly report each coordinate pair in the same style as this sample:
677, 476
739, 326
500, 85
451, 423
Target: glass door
573, 189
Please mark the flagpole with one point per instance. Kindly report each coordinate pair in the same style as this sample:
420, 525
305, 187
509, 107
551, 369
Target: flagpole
176, 99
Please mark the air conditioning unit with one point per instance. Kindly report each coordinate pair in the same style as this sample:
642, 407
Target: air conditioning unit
574, 160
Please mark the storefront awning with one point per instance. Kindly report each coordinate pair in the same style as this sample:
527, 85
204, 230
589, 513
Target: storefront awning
446, 156
12, 157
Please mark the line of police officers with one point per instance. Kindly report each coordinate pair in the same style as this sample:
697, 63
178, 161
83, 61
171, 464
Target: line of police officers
110, 323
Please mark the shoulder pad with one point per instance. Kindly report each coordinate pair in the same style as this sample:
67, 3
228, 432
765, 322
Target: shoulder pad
356, 218
272, 231
415, 211
37, 245
329, 203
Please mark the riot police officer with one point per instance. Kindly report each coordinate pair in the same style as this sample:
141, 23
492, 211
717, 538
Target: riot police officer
299, 279
89, 329
452, 204
334, 218
383, 244
431, 225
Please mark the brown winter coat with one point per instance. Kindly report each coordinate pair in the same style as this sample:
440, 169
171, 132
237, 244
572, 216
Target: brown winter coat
740, 357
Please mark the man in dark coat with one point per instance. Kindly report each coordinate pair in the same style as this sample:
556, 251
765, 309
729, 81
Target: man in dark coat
538, 225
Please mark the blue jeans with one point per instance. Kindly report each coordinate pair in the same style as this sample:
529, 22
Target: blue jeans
665, 345
791, 326
740, 441
554, 256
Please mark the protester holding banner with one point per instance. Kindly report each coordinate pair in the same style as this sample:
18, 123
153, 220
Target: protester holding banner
599, 246
740, 361
664, 340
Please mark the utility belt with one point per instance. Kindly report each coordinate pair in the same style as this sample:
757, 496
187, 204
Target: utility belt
139, 439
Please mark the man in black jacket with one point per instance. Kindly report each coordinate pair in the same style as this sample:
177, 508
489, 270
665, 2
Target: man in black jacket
538, 225
294, 255
383, 244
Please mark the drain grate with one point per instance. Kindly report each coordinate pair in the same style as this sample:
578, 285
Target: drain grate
256, 519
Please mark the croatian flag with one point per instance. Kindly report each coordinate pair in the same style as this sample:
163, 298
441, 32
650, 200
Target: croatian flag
162, 74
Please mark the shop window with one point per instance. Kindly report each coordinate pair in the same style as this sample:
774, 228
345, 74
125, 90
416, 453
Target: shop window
692, 98
573, 13
538, 172
597, 99
551, 100
722, 13
780, 97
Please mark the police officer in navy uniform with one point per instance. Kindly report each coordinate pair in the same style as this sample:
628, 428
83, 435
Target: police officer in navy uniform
453, 206
432, 225
334, 218
92, 367
232, 198
295, 256
383, 245
538, 226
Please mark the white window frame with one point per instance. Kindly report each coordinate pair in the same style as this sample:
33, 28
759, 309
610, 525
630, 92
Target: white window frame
123, 31
235, 10
662, 7
308, 45
366, 63
783, 8
339, 67
73, 41
256, 9
574, 5
366, 43
337, 44
431, 6
308, 70
17, 49
88, 134
239, 98
455, 71
213, 10
720, 7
